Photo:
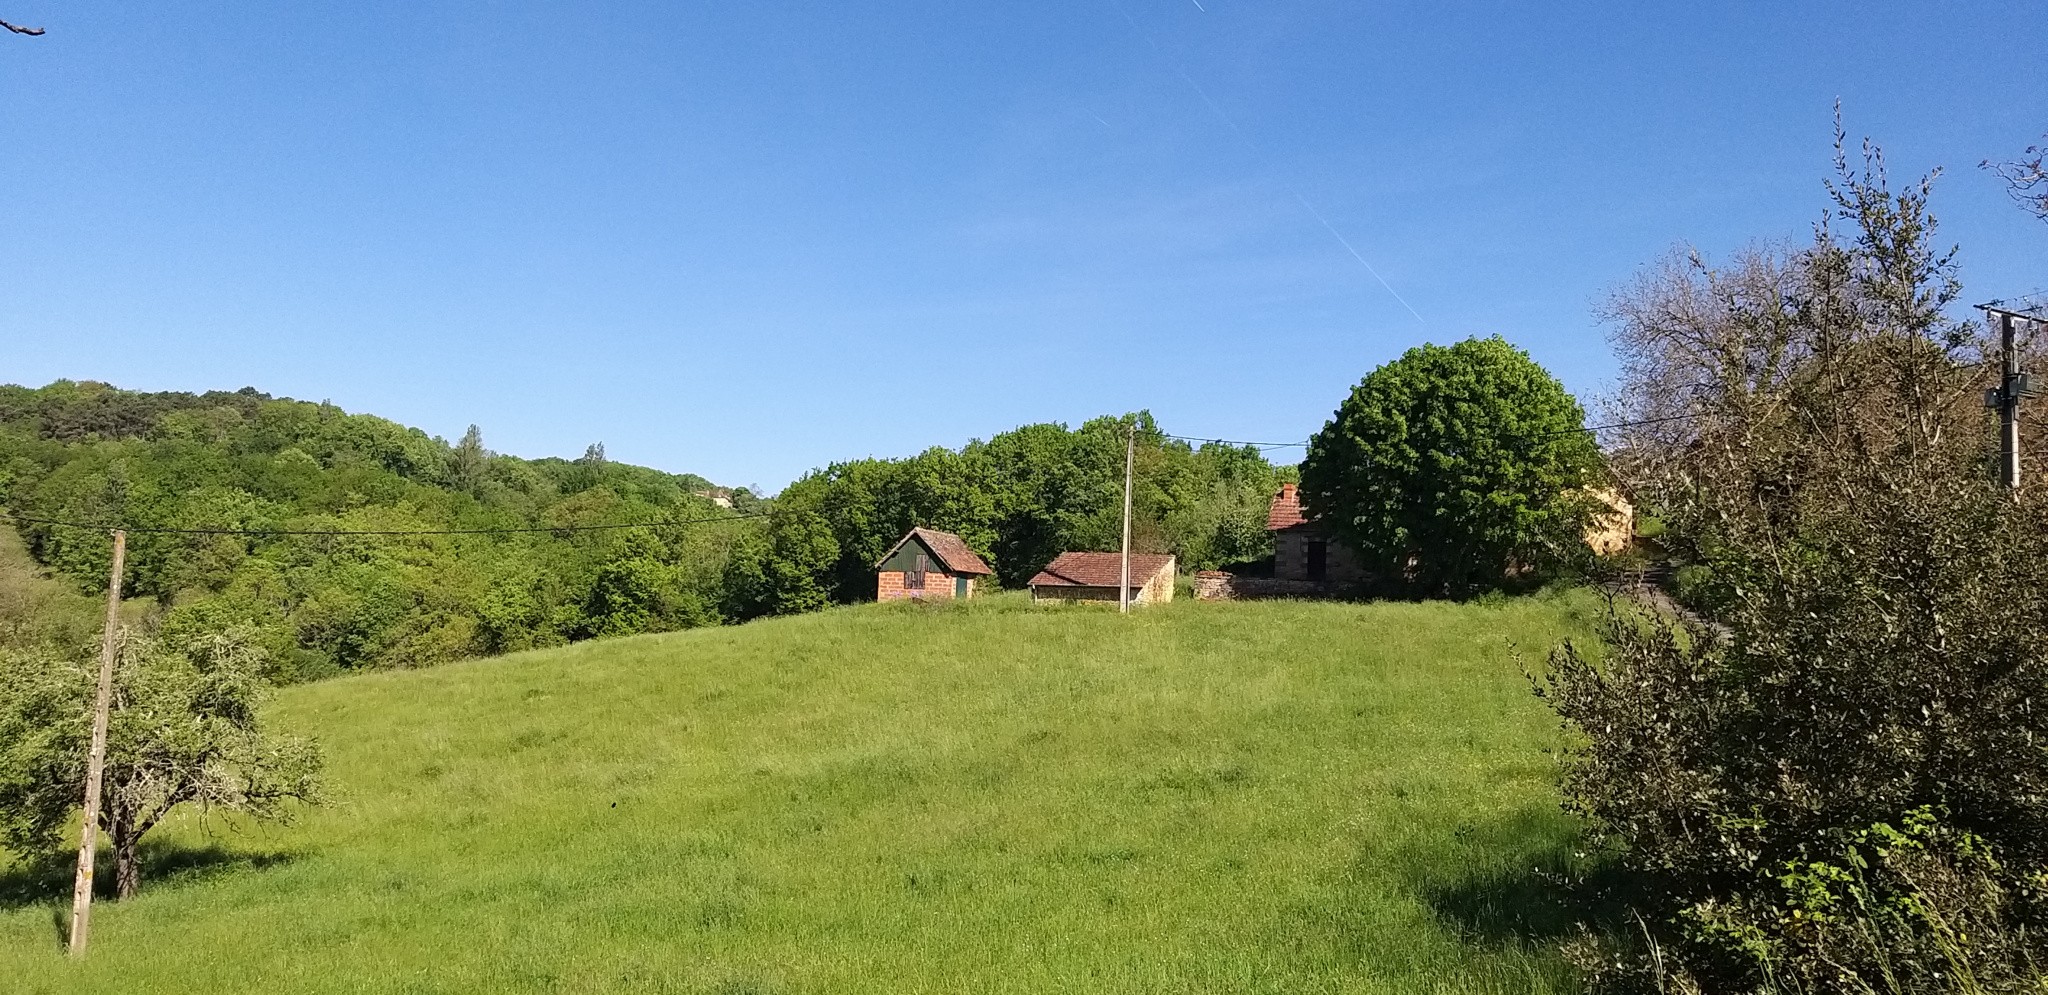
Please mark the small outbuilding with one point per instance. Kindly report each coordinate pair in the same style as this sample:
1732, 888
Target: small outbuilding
927, 563
1306, 550
1095, 577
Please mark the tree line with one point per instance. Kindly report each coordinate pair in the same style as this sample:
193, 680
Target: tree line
324, 604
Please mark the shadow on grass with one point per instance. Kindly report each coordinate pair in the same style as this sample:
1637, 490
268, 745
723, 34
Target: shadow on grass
1544, 903
1520, 883
164, 865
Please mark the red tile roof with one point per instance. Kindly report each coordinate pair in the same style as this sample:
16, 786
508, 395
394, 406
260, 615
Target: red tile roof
951, 550
1099, 569
1285, 512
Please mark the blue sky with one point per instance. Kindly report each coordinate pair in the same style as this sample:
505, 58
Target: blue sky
744, 240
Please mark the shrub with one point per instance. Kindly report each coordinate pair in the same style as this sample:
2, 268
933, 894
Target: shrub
1835, 781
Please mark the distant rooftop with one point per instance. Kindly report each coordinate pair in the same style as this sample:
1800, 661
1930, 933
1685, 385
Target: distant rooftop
1099, 569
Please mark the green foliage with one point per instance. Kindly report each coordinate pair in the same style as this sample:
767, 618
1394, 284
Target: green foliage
640, 592
184, 730
320, 605
1019, 499
1453, 467
1255, 798
1873, 640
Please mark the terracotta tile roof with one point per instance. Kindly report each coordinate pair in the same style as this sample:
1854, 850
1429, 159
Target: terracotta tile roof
951, 550
1285, 512
1099, 569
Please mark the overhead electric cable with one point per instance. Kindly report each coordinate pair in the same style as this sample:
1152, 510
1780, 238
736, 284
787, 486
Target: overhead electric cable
1233, 442
1603, 428
1523, 435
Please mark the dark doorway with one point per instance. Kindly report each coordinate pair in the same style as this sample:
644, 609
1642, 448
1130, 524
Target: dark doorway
1318, 560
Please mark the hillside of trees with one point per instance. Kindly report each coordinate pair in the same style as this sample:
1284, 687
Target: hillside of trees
324, 604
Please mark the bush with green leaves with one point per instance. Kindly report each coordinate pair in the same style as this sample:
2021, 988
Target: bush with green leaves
1834, 780
1454, 467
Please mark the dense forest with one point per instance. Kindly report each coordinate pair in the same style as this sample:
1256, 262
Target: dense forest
422, 593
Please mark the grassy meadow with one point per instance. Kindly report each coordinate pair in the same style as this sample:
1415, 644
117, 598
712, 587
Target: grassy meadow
992, 797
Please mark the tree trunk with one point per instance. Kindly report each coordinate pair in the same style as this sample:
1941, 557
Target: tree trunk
127, 856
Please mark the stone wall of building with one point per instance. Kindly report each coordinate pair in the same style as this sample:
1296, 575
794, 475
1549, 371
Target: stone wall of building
1216, 585
1291, 558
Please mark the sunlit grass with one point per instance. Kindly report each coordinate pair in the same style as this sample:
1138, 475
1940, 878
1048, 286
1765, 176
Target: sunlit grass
1265, 797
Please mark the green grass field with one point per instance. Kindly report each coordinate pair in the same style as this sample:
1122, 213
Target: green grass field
1265, 797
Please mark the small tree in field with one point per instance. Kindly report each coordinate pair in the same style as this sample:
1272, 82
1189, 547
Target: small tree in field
1453, 466
184, 730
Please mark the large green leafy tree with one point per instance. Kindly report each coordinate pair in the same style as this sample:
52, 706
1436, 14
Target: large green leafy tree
1454, 466
184, 731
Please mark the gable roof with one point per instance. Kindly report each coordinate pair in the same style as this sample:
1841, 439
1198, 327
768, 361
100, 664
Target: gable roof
1285, 512
951, 550
1099, 569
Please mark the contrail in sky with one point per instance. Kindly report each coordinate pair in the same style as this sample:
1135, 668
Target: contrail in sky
1361, 259
1204, 94
1256, 150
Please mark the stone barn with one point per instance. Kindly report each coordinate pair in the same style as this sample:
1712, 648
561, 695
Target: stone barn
1305, 550
1094, 577
927, 563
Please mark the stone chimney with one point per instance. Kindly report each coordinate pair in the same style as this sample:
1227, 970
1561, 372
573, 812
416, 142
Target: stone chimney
1286, 492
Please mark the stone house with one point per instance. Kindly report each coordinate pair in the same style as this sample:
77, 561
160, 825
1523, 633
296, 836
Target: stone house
1305, 550
1096, 577
927, 563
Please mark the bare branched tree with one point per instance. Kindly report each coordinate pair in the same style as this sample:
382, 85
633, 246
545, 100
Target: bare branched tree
2026, 178
19, 29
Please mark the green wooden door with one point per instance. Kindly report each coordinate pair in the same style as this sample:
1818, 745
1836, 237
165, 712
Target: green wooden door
959, 587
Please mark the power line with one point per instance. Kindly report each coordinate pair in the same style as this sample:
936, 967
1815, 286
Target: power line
1603, 428
110, 526
1233, 442
1521, 435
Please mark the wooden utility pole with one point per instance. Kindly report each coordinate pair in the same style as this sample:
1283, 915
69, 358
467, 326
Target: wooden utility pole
1123, 589
95, 765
